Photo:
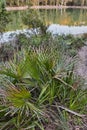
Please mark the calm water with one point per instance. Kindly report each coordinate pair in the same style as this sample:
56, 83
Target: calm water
76, 17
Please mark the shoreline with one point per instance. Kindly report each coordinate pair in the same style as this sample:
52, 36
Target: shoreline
45, 7
54, 29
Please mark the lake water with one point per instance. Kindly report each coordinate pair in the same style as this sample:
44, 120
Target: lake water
70, 17
60, 21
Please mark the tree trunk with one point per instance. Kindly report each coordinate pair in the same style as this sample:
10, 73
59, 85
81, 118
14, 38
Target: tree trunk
83, 3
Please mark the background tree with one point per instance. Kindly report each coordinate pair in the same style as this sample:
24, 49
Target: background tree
45, 2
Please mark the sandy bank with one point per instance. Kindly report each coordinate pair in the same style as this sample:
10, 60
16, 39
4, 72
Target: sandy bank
66, 30
44, 7
55, 29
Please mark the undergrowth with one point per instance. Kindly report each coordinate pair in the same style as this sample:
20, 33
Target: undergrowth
38, 87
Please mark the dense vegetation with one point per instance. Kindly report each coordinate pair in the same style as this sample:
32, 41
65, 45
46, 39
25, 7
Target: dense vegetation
46, 2
39, 88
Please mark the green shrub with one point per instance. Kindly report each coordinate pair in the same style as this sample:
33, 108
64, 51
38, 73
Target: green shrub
4, 17
32, 20
33, 82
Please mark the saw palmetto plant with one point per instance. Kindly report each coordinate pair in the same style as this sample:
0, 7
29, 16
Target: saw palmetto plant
32, 82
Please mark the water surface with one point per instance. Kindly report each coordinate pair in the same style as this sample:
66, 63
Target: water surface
60, 21
70, 17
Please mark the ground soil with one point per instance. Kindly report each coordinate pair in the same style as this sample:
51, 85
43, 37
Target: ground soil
82, 64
